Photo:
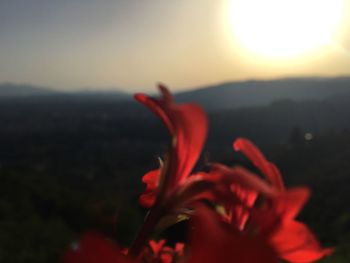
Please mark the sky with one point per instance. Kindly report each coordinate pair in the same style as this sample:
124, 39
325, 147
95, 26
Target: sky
133, 44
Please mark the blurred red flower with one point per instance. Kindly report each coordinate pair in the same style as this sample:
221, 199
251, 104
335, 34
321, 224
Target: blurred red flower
187, 125
250, 219
94, 247
158, 252
273, 219
213, 240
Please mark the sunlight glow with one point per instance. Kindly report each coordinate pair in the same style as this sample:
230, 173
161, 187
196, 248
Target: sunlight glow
283, 28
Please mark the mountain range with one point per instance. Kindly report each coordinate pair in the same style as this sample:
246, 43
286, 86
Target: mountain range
11, 90
254, 93
230, 95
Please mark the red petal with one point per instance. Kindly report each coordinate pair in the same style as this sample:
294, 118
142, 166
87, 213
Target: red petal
157, 107
294, 242
166, 258
162, 253
258, 159
289, 203
95, 248
191, 126
166, 95
197, 186
243, 178
279, 209
148, 198
157, 246
151, 179
211, 241
240, 213
187, 124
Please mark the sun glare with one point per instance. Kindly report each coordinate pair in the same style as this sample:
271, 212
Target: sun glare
283, 28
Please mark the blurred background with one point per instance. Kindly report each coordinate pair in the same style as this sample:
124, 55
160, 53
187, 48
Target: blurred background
74, 144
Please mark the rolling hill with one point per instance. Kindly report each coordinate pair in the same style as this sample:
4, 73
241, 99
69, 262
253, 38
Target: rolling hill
24, 90
231, 95
11, 90
259, 93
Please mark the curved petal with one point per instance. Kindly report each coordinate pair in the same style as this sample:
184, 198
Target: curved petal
294, 242
279, 209
258, 159
243, 178
197, 186
191, 131
289, 203
213, 241
239, 213
151, 179
157, 107
188, 125
147, 198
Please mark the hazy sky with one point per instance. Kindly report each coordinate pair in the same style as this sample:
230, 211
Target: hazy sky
132, 44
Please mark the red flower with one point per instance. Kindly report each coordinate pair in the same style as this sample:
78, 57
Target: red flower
158, 252
151, 179
187, 125
274, 219
258, 159
294, 242
212, 240
263, 239
170, 188
257, 222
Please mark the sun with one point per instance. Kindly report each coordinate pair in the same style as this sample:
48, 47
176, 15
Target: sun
283, 28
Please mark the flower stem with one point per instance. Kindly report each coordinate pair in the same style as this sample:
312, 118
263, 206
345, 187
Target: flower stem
150, 223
